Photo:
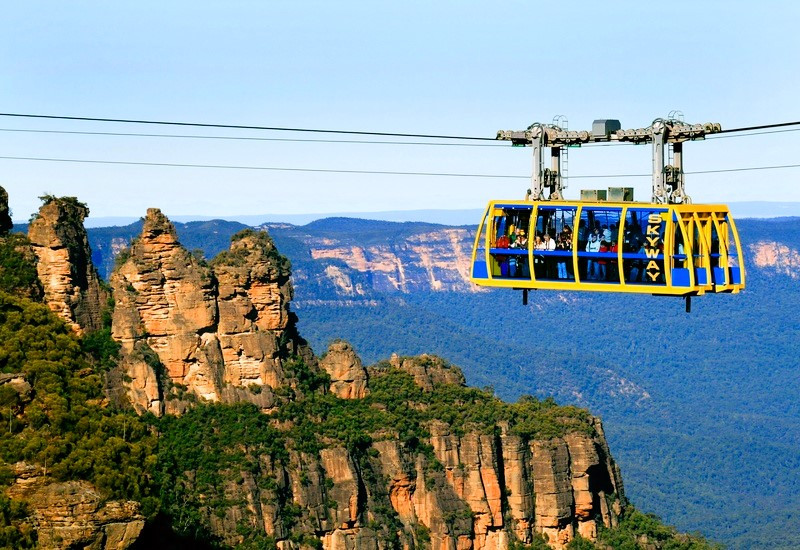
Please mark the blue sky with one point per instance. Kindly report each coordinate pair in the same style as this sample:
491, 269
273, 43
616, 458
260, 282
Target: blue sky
464, 68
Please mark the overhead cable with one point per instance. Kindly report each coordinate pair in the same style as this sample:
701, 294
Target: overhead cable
241, 126
373, 172
254, 138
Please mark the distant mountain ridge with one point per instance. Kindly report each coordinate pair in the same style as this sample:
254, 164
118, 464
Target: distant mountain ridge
468, 216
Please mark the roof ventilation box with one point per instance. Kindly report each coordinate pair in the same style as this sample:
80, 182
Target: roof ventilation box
604, 127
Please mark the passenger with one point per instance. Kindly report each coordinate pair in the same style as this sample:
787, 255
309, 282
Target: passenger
606, 234
601, 262
521, 262
538, 259
591, 265
563, 245
549, 264
512, 235
521, 240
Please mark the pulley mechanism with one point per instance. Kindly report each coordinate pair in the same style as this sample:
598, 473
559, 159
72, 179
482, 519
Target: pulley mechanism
668, 176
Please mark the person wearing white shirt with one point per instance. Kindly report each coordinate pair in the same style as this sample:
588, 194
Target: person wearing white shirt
592, 246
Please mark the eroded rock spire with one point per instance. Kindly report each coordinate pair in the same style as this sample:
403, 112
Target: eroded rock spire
71, 284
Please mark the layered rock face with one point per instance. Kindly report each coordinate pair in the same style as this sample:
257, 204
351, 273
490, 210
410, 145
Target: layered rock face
192, 330
428, 260
348, 375
5, 215
71, 284
477, 489
777, 257
73, 514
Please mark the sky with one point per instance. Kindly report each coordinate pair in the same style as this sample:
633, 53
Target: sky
448, 67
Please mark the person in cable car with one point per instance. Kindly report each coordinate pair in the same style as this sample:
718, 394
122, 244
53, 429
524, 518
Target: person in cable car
601, 262
591, 266
563, 244
549, 264
538, 259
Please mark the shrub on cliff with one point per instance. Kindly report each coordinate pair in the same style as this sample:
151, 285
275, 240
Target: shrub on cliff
258, 242
62, 423
17, 270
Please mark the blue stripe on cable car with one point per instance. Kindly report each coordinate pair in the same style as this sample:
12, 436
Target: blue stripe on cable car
514, 206
508, 251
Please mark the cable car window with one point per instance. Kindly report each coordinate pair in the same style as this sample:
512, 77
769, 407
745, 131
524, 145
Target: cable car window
643, 246
479, 256
553, 243
598, 239
715, 253
509, 247
729, 242
678, 246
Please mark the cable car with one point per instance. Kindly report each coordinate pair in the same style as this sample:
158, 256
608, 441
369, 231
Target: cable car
665, 247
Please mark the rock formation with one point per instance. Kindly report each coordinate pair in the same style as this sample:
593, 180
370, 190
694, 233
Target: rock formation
217, 332
776, 257
71, 285
72, 514
478, 488
5, 214
348, 375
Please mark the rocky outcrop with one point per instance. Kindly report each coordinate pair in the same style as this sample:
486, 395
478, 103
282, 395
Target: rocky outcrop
428, 370
72, 514
5, 214
71, 284
190, 330
776, 257
479, 488
394, 258
348, 375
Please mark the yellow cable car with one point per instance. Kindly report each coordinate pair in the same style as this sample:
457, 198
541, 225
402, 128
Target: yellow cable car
663, 247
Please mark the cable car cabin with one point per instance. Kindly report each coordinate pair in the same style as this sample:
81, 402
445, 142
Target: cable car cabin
661, 249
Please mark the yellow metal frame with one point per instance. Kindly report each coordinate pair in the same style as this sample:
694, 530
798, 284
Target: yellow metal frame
686, 218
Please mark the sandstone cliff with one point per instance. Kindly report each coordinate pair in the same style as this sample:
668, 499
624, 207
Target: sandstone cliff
190, 330
474, 484
776, 257
5, 214
71, 284
224, 333
73, 514
360, 259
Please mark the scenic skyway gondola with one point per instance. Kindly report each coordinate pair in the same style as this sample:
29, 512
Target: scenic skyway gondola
606, 242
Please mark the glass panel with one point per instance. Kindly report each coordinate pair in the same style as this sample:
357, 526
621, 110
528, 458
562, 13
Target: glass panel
553, 243
598, 236
678, 247
509, 248
715, 252
480, 244
733, 256
643, 246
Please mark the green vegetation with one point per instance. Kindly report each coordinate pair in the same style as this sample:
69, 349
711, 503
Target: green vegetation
205, 449
261, 244
638, 530
16, 532
61, 424
17, 271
